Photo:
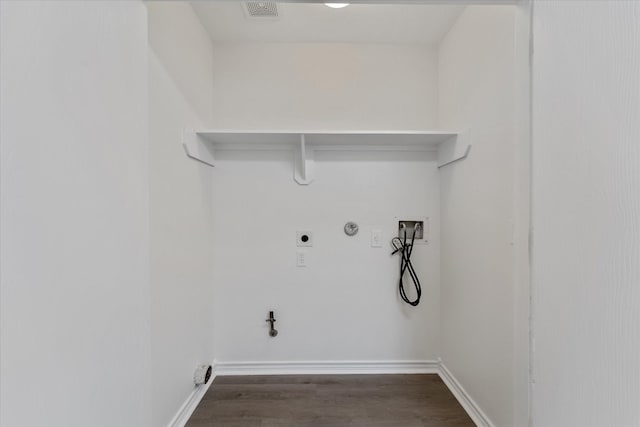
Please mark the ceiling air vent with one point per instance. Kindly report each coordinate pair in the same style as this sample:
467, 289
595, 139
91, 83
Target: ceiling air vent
261, 9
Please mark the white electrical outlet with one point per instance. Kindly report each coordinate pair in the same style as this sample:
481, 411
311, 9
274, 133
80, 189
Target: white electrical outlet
301, 259
376, 238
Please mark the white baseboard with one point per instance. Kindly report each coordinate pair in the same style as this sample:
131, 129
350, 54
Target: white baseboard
469, 405
328, 367
190, 405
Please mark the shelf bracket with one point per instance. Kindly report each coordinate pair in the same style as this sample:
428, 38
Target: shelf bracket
304, 163
454, 149
197, 147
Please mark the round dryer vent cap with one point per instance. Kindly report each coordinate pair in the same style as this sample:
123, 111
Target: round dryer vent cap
202, 374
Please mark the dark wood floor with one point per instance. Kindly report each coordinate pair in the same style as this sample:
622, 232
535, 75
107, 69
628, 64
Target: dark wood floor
330, 401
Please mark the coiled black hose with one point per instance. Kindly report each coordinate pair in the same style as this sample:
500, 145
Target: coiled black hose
405, 265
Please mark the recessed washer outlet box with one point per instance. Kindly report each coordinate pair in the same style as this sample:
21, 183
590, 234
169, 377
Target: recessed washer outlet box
408, 225
304, 238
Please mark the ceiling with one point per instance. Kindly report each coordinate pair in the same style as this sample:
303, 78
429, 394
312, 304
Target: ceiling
357, 23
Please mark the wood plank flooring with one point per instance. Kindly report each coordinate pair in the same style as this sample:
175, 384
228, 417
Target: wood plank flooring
329, 401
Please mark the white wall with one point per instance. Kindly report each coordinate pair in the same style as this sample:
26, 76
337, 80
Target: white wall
522, 218
476, 72
324, 86
74, 218
344, 305
181, 206
586, 214
184, 47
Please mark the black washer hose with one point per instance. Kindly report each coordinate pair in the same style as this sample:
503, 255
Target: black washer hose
405, 265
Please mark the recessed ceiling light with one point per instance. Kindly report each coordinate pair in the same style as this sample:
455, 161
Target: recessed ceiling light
337, 5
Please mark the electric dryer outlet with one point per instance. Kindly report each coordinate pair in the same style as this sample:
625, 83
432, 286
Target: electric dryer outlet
304, 238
